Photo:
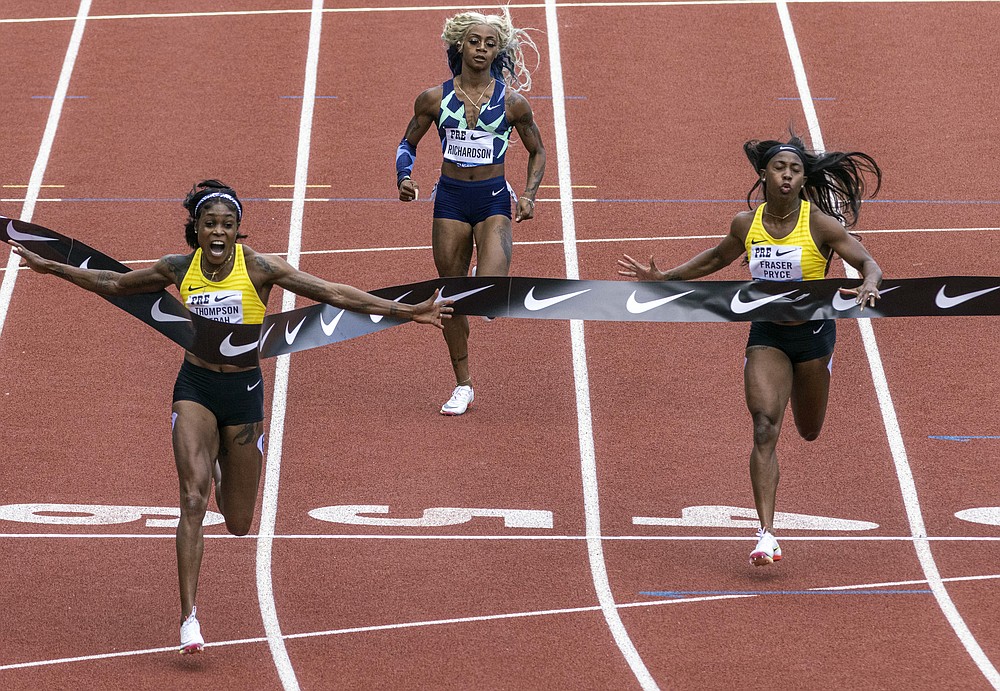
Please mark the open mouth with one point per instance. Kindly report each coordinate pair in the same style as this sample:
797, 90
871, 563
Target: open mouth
217, 248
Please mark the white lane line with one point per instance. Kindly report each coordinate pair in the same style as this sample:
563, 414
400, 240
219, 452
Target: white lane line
895, 436
44, 151
591, 498
269, 508
472, 619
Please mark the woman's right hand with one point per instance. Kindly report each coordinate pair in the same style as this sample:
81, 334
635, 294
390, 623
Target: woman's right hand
408, 190
640, 272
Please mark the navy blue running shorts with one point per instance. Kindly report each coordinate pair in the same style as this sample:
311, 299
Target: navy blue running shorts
471, 202
803, 342
235, 398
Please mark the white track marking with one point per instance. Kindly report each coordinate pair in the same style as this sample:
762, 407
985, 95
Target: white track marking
44, 150
269, 508
459, 8
591, 499
474, 619
894, 434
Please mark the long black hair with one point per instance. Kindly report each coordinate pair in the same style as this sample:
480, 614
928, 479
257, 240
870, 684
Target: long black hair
835, 180
218, 192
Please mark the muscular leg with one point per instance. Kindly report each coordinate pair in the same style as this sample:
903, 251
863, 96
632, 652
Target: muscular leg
240, 459
494, 246
767, 379
810, 394
452, 243
196, 446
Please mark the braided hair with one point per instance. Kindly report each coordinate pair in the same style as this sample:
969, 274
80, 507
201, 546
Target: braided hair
212, 191
835, 181
509, 60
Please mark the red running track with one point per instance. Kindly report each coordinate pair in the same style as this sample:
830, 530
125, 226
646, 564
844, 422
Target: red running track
658, 100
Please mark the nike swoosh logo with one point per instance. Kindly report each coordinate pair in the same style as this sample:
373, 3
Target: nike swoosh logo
85, 264
266, 334
25, 237
842, 304
229, 350
819, 329
534, 304
161, 316
376, 318
458, 296
739, 307
220, 298
782, 254
328, 329
191, 289
945, 302
290, 335
636, 307
756, 242
251, 388
474, 138
495, 105
497, 192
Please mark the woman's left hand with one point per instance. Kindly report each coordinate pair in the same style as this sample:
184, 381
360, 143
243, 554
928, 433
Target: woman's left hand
430, 311
864, 296
525, 209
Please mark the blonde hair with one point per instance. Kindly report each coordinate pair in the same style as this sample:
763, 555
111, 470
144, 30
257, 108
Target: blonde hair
512, 41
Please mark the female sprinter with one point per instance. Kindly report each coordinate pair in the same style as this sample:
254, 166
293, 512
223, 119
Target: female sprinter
218, 410
787, 361
474, 113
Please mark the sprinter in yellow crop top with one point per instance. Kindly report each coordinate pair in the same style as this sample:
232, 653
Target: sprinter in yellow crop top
809, 198
218, 410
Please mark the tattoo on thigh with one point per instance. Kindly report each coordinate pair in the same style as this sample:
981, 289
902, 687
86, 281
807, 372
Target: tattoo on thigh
507, 242
247, 435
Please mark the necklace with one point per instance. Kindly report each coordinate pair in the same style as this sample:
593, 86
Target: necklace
213, 274
782, 218
476, 103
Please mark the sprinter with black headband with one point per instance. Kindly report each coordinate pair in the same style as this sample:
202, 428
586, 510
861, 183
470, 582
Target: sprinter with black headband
809, 198
218, 409
475, 113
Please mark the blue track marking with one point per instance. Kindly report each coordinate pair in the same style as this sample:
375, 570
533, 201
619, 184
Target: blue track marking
963, 437
680, 594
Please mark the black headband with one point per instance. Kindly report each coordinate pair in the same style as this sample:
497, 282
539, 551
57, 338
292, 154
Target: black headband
778, 148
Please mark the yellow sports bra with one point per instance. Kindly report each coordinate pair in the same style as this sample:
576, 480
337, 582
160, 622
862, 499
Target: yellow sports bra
792, 258
233, 300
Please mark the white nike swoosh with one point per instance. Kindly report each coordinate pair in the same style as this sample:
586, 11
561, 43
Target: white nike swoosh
229, 350
376, 318
161, 316
495, 105
251, 388
842, 304
740, 307
266, 334
86, 263
636, 307
328, 329
25, 237
458, 296
945, 302
534, 304
819, 329
290, 335
497, 192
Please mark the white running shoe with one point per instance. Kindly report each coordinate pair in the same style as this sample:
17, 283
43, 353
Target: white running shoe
191, 639
459, 402
767, 550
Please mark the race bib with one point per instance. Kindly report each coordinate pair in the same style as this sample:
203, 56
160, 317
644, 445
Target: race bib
222, 306
468, 146
775, 262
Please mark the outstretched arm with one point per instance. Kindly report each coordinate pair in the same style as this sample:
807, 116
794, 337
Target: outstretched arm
269, 269
708, 262
831, 233
148, 280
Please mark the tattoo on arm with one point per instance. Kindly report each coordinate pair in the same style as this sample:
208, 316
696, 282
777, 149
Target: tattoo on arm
394, 310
